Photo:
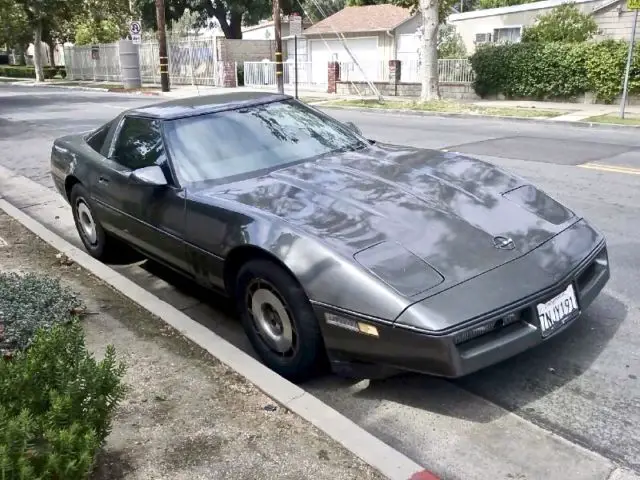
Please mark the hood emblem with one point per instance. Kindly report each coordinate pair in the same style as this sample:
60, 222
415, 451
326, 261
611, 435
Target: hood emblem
503, 243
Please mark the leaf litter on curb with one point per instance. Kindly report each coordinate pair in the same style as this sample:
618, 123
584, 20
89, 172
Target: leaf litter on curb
29, 302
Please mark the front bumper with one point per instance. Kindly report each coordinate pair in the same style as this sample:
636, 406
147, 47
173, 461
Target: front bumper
450, 355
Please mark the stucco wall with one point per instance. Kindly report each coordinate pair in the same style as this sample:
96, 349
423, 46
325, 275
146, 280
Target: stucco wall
245, 50
450, 91
260, 32
614, 23
469, 27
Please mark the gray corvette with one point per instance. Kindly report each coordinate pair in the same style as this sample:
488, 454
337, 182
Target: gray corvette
337, 251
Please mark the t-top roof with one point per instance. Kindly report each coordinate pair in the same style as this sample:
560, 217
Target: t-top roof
192, 106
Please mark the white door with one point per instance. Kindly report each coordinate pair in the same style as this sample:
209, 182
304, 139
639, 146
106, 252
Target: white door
408, 55
365, 51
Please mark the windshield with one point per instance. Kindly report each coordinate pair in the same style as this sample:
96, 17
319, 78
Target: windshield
251, 140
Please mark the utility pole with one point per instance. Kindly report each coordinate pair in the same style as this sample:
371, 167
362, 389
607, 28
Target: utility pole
278, 31
162, 46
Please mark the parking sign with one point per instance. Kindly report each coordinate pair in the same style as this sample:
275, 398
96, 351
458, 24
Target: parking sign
135, 28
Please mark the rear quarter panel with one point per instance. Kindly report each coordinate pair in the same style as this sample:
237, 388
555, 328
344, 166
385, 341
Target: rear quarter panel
72, 157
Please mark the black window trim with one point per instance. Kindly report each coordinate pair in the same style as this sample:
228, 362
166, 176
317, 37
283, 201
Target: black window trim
173, 181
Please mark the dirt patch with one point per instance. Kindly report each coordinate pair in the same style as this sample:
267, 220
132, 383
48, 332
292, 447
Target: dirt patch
186, 415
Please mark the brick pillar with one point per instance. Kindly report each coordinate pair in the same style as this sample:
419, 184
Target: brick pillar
229, 74
334, 77
394, 75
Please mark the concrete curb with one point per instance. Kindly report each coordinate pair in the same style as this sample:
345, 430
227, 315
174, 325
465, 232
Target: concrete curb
547, 121
28, 83
380, 456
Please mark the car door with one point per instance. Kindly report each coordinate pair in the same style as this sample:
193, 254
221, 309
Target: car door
150, 217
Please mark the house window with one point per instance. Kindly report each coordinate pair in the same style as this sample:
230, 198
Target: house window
507, 34
482, 38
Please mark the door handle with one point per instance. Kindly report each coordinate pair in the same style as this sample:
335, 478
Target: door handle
103, 180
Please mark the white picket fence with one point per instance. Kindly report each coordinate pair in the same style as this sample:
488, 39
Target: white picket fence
376, 71
451, 70
191, 62
263, 74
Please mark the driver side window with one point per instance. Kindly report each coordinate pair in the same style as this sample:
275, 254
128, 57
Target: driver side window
139, 144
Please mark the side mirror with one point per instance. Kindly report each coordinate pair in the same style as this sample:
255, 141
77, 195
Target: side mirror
152, 176
353, 126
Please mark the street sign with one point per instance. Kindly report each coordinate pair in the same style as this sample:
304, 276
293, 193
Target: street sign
633, 4
137, 39
135, 28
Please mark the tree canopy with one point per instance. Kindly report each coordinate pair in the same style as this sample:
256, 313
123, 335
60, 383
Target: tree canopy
565, 24
230, 15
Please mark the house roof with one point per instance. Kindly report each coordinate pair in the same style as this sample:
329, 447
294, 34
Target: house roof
490, 12
367, 18
605, 5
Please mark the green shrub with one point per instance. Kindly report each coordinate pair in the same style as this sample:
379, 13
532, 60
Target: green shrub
564, 23
553, 70
240, 70
30, 302
56, 400
56, 405
15, 71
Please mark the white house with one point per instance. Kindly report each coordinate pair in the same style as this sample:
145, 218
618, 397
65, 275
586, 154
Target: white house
265, 30
506, 23
373, 35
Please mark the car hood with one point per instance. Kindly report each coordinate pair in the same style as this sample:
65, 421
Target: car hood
448, 210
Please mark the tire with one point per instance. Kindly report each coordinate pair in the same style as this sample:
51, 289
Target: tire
99, 244
265, 286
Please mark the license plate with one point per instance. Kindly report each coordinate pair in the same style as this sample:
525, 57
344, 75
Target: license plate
557, 311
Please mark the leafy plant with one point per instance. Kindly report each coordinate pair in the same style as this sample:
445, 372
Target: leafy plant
450, 43
30, 302
14, 71
565, 23
90, 32
553, 70
56, 405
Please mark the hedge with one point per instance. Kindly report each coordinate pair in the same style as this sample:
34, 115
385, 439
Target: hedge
14, 71
554, 70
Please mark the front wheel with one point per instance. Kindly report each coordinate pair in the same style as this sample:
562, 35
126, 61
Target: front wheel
279, 320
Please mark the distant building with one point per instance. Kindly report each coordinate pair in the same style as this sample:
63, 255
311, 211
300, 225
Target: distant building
505, 24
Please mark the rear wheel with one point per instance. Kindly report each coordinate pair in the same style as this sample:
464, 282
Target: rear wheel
98, 243
279, 320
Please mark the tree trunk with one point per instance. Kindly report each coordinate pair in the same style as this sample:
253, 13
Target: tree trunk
430, 87
37, 52
20, 51
231, 28
50, 44
235, 24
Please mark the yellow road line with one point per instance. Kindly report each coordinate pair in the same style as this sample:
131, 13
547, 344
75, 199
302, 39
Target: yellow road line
611, 168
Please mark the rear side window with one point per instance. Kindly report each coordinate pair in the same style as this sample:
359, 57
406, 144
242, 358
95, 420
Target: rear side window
139, 144
97, 137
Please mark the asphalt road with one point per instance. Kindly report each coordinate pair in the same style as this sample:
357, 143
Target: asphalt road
582, 386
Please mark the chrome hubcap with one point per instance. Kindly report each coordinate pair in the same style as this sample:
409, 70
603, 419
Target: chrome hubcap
87, 223
271, 318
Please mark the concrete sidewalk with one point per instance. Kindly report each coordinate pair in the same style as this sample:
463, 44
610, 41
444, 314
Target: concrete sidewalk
577, 111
